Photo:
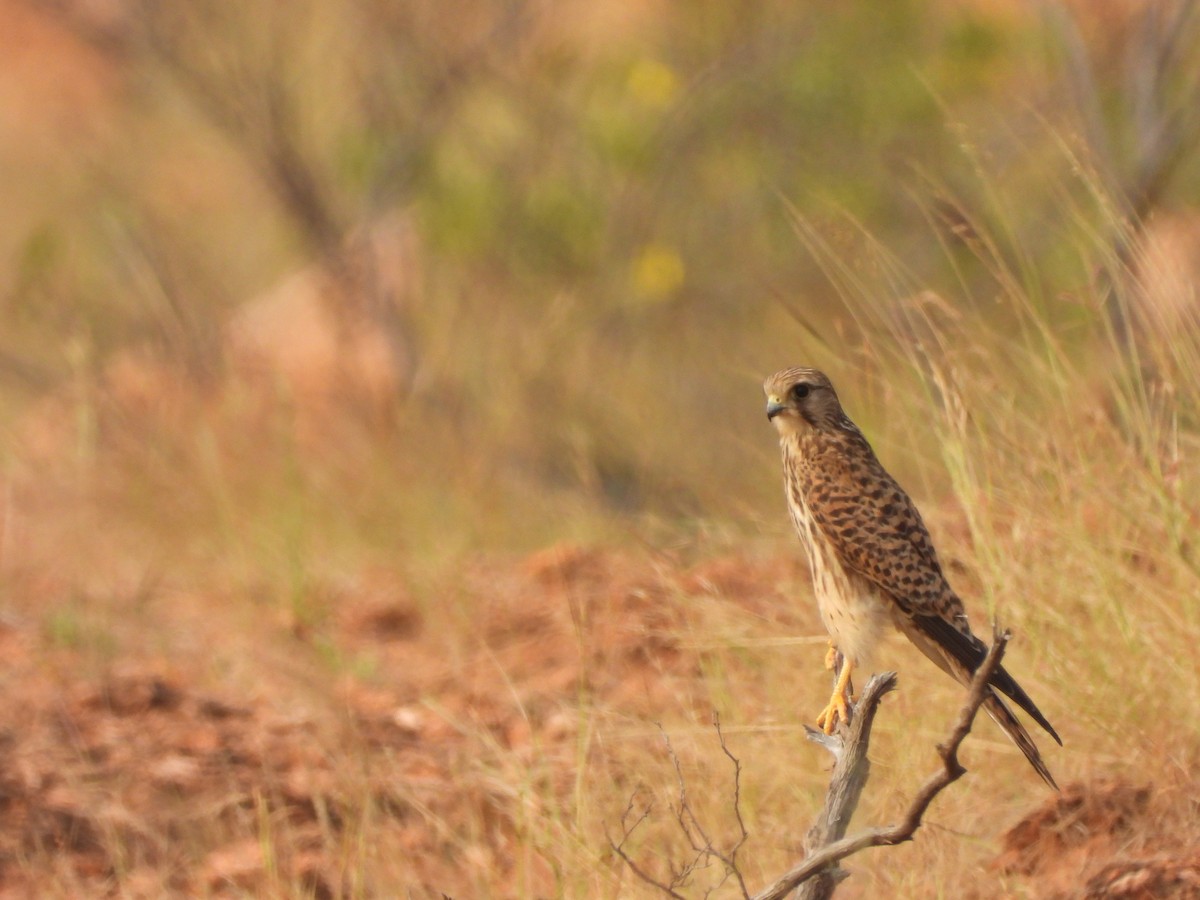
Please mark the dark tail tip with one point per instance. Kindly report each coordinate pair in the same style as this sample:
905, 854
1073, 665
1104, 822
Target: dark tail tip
1008, 685
1018, 735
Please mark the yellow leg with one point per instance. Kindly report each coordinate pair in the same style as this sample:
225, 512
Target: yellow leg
831, 656
838, 708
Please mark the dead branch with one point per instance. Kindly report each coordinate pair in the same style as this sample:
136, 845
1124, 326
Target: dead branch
817, 875
823, 860
851, 769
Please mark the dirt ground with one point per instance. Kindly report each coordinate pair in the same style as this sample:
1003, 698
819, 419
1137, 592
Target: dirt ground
132, 778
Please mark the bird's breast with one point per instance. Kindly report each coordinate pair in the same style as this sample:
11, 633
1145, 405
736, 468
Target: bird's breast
852, 609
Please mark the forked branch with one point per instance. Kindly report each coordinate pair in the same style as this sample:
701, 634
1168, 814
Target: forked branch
817, 875
822, 859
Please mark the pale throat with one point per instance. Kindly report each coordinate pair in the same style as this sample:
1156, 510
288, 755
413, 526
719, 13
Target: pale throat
791, 425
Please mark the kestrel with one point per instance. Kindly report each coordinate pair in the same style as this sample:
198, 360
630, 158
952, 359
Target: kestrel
872, 560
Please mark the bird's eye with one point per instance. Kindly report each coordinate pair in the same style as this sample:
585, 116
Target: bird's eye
800, 391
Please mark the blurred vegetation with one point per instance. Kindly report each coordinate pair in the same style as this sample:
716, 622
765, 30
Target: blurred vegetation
624, 218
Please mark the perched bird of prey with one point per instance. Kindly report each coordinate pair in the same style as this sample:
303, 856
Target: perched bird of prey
872, 560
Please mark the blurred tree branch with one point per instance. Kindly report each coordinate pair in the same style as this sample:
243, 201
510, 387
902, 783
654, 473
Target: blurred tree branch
239, 69
243, 70
1159, 127
1157, 97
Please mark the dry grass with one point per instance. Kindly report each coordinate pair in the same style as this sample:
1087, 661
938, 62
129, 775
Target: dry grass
233, 666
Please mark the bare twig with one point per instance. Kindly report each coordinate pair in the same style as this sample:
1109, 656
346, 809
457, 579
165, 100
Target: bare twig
684, 815
730, 859
704, 849
825, 858
618, 847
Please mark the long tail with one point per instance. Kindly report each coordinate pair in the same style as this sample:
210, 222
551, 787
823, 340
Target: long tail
1003, 717
957, 651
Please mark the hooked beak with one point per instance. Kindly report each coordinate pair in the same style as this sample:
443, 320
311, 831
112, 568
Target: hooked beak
774, 407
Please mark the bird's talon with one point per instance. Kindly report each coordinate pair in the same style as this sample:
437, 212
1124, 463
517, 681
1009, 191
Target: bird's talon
837, 711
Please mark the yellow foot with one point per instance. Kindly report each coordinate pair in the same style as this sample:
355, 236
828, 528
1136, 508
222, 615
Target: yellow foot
838, 709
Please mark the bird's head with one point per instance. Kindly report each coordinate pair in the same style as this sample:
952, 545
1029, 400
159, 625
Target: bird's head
801, 400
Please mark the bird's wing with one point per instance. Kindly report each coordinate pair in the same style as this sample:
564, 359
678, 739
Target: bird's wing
876, 531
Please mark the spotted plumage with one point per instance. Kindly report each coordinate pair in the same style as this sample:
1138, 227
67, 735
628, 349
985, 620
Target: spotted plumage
873, 563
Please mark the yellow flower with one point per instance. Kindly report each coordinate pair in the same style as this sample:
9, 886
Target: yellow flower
658, 272
652, 83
